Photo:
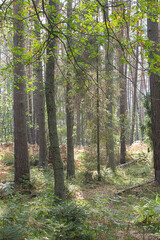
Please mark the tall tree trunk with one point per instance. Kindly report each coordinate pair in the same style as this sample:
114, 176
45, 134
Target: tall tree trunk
122, 108
98, 110
51, 111
69, 109
98, 125
109, 97
153, 36
134, 96
21, 160
40, 105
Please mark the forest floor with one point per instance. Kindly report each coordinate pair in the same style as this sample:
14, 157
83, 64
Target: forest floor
124, 205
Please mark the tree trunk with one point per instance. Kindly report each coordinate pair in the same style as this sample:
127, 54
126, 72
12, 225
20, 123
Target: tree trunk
98, 110
122, 108
109, 94
69, 109
40, 105
134, 97
155, 92
78, 129
51, 111
98, 127
70, 145
21, 160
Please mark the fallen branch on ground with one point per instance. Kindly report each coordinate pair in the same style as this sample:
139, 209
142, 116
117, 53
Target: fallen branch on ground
135, 186
133, 161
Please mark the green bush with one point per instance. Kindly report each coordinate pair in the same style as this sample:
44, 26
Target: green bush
69, 222
10, 231
149, 214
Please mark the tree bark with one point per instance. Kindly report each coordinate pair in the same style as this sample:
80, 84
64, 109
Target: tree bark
78, 127
122, 108
51, 111
98, 110
109, 94
40, 105
153, 36
21, 160
134, 96
69, 109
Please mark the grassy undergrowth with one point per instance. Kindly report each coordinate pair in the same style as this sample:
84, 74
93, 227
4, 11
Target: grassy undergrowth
93, 209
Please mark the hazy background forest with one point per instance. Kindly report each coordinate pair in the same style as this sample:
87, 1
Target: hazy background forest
79, 110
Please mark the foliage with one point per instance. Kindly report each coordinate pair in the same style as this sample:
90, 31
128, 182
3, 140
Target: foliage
8, 158
69, 221
148, 213
99, 214
147, 125
10, 231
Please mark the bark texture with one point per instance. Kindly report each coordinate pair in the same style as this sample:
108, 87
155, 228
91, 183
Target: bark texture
153, 36
51, 111
21, 160
109, 97
134, 97
78, 127
69, 109
40, 105
122, 112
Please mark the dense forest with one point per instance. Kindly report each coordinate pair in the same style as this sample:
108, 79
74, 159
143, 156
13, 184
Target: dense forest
79, 119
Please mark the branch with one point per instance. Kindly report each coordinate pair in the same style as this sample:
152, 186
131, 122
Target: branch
2, 4
133, 161
135, 186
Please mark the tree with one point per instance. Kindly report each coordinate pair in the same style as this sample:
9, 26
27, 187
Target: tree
51, 106
109, 97
154, 53
122, 106
69, 105
21, 160
40, 102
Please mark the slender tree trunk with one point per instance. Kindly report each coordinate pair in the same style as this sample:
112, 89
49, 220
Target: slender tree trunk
134, 96
70, 144
78, 129
153, 36
98, 127
98, 111
21, 160
82, 128
51, 111
40, 105
122, 108
69, 109
109, 94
